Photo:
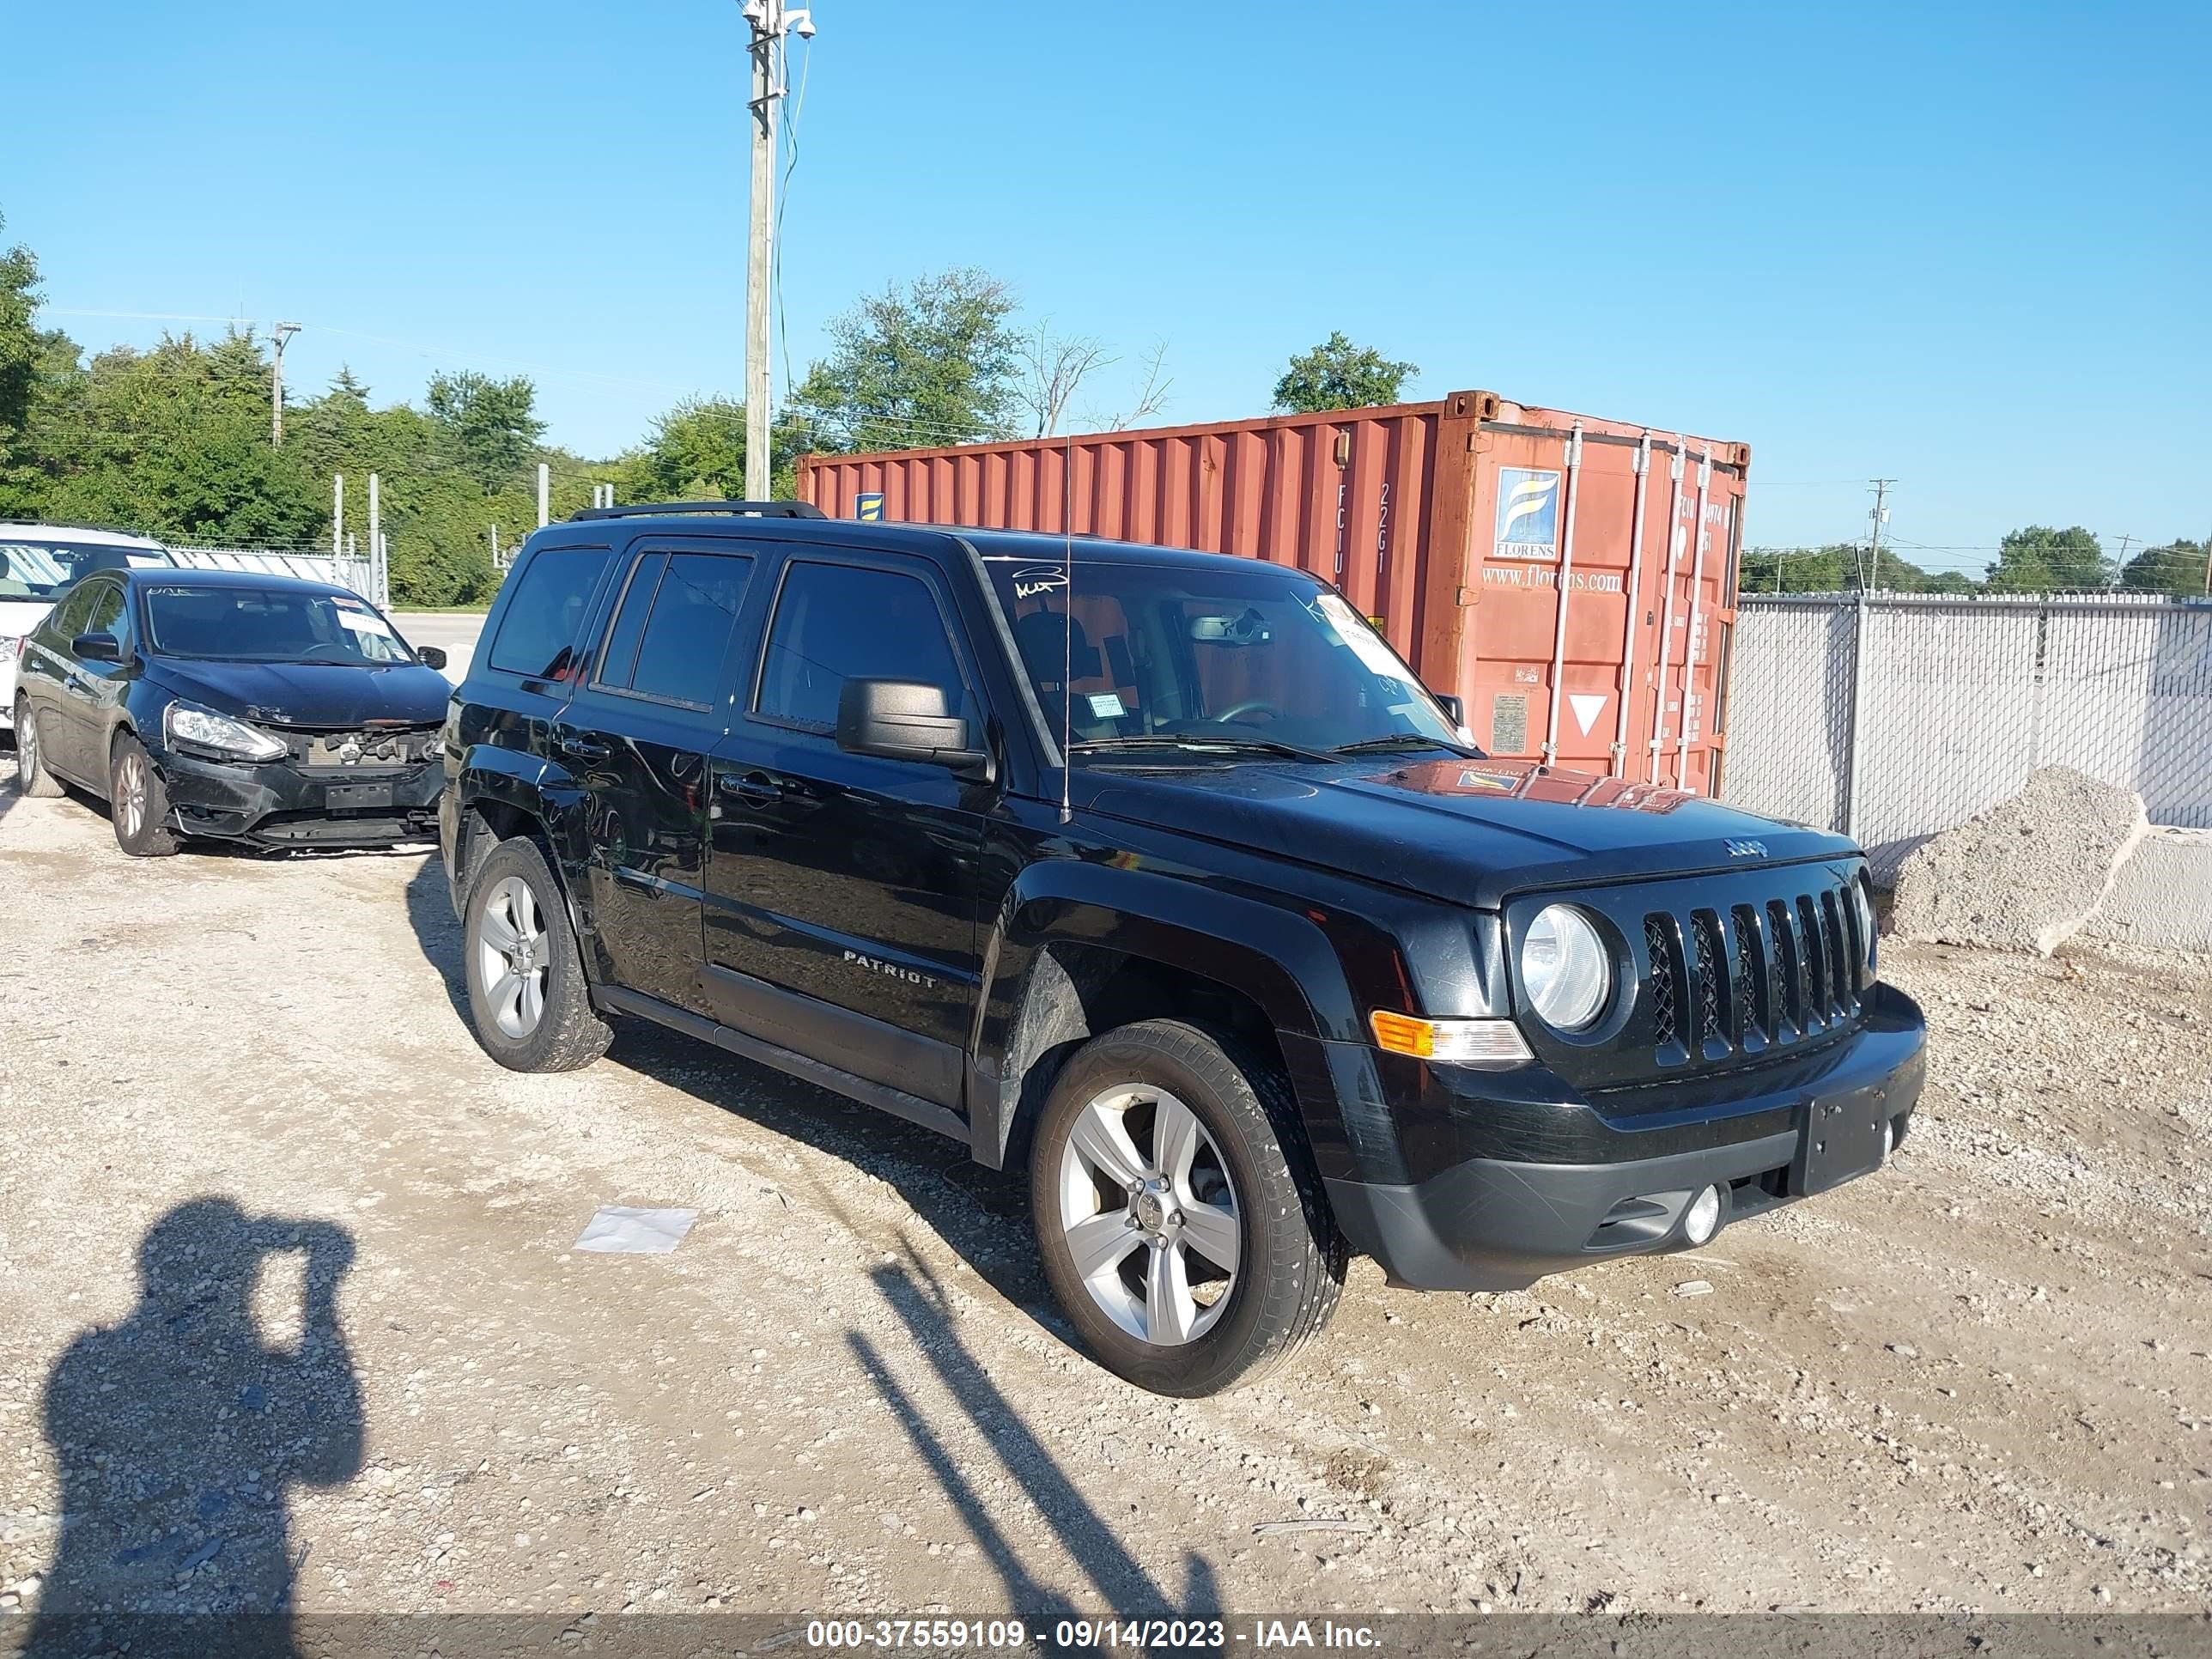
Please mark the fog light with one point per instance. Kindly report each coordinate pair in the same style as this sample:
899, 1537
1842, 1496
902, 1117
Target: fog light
1703, 1219
1888, 1136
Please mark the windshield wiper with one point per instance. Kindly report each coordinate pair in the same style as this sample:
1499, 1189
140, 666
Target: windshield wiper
1232, 745
1407, 741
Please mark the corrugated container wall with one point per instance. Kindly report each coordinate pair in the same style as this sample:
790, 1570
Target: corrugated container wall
1573, 580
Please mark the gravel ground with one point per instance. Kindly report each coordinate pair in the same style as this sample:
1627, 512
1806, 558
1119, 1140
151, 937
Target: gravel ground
363, 1366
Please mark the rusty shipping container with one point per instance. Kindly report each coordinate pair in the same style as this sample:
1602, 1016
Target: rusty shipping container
1573, 580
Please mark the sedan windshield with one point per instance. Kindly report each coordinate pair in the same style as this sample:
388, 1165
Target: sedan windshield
1267, 661
269, 624
39, 570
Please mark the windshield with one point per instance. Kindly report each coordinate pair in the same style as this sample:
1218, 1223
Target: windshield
1159, 653
269, 624
40, 569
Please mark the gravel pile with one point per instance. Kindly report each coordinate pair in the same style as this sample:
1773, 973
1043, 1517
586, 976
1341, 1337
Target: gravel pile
2027, 874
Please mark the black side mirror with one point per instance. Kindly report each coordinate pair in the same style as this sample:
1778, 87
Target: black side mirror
432, 656
96, 647
903, 719
1451, 706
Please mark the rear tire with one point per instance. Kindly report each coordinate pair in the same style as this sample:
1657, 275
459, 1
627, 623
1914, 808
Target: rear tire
138, 802
31, 777
1217, 1169
528, 1000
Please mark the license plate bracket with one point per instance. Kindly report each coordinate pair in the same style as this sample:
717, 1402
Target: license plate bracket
357, 797
1845, 1136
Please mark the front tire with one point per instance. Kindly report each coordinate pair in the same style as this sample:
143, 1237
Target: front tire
31, 777
527, 997
139, 802
1178, 1215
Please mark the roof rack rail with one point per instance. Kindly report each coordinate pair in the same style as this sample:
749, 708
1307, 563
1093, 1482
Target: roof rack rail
755, 509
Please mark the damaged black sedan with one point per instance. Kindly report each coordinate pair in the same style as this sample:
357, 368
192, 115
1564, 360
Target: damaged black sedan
235, 706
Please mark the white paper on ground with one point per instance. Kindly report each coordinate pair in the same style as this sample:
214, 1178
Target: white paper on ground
620, 1230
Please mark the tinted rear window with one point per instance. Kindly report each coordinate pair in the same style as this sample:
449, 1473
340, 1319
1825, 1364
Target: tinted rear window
668, 639
539, 636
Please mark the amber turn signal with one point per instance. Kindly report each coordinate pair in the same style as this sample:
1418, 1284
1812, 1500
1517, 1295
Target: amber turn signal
1449, 1041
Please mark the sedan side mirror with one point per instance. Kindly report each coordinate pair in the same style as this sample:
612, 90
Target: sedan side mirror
905, 720
432, 656
1452, 706
96, 647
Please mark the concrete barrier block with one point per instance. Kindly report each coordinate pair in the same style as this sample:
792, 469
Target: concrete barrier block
2163, 898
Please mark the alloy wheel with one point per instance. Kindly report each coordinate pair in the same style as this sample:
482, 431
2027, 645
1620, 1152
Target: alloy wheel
131, 795
1149, 1214
512, 956
27, 746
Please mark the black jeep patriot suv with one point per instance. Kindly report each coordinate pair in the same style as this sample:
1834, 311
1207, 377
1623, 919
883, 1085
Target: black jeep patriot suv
1161, 872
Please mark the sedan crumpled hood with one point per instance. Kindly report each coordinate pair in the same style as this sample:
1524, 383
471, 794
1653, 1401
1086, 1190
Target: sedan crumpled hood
309, 694
1466, 831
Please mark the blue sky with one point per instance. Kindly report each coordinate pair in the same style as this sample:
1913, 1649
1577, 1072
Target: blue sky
1962, 245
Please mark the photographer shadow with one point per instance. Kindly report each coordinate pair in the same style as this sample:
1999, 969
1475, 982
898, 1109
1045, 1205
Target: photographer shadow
180, 1433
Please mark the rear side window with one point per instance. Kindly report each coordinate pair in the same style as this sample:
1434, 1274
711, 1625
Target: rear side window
669, 635
839, 621
539, 635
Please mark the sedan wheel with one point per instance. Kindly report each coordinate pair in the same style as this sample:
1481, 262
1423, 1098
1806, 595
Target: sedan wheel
31, 776
1149, 1214
130, 794
137, 801
512, 956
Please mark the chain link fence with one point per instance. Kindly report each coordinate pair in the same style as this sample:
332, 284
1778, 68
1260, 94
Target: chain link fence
1891, 717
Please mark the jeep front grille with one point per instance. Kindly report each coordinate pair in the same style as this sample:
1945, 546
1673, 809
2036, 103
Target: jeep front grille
1759, 976
1659, 984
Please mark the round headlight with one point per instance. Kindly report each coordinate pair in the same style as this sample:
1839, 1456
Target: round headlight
1566, 969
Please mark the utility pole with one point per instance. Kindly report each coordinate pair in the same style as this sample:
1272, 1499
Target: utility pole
771, 22
1880, 517
279, 334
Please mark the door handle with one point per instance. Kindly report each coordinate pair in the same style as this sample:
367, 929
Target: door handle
583, 748
754, 788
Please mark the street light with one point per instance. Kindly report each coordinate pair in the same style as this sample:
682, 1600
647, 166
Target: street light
279, 334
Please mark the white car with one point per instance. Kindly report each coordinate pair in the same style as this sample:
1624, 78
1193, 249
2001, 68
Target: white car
38, 561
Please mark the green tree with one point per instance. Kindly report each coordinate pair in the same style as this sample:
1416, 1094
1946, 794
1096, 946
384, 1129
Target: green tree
2177, 568
2041, 560
19, 347
174, 441
1835, 569
1337, 374
697, 452
936, 362
493, 424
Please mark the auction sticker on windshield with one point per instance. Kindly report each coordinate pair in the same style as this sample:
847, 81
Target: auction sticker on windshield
1366, 645
361, 621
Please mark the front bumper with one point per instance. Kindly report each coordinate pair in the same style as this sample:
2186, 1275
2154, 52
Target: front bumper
284, 805
1512, 1177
